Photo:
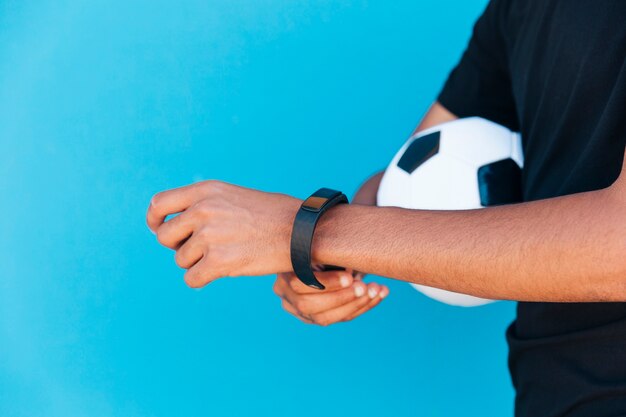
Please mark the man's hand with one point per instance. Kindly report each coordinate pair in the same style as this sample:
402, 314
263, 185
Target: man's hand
224, 230
344, 298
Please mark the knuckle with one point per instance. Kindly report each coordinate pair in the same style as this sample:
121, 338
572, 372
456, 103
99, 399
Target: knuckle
195, 279
347, 295
285, 305
162, 237
157, 200
179, 258
203, 233
212, 185
362, 302
192, 281
276, 287
218, 185
294, 282
202, 208
301, 305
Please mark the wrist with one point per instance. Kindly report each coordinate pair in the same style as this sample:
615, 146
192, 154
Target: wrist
312, 210
331, 233
283, 234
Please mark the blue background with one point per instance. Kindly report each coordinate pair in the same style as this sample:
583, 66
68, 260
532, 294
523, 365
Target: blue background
104, 103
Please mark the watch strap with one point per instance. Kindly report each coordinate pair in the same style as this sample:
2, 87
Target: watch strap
304, 225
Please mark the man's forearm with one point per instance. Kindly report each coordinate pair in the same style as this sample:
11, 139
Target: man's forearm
570, 248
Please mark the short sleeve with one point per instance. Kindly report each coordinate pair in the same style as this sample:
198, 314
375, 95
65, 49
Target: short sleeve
480, 84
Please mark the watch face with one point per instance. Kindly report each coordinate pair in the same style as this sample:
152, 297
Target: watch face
314, 203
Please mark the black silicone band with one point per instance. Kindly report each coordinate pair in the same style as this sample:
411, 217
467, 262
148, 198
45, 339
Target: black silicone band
304, 224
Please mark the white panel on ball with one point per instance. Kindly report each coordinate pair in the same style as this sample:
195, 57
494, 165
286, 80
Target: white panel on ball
444, 181
476, 141
438, 169
398, 182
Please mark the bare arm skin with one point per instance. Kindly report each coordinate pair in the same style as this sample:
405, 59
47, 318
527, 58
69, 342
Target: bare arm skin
568, 248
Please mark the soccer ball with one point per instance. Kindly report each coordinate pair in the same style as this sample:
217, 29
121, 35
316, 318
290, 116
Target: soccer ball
464, 164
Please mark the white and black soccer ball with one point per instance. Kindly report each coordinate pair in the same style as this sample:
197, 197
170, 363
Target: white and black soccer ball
464, 164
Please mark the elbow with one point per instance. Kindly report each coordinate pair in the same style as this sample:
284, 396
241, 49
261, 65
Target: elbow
613, 266
611, 272
605, 253
619, 275
616, 290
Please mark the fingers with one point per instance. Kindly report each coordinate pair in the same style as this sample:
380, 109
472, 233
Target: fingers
310, 304
291, 309
332, 280
343, 312
328, 307
384, 292
201, 274
189, 253
174, 201
174, 231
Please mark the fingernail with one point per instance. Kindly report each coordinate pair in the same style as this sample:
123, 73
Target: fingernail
359, 290
384, 292
373, 292
344, 281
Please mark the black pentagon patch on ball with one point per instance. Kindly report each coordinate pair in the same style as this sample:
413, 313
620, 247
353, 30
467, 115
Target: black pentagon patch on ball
420, 151
500, 183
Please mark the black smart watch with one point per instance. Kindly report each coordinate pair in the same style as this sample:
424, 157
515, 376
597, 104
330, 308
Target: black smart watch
304, 224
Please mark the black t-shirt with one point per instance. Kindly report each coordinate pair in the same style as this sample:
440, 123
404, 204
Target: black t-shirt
556, 71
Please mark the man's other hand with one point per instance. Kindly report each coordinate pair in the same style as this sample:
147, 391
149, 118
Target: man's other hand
344, 298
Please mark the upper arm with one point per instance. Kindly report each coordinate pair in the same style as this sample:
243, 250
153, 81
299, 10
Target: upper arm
436, 115
619, 186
